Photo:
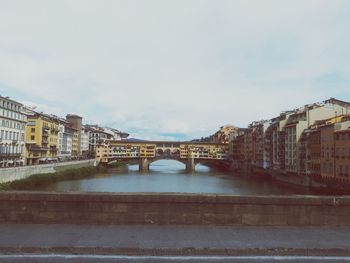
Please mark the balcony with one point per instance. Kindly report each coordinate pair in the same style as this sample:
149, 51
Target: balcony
53, 148
10, 155
55, 130
35, 148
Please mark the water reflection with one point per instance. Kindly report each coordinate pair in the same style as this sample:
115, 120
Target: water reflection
170, 176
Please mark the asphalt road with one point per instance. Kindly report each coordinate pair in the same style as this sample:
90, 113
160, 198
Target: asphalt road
36, 243
150, 237
147, 259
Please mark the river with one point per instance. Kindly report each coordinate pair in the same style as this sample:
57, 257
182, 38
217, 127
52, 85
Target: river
170, 176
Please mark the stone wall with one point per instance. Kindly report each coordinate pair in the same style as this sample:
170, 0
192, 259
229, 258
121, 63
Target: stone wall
104, 208
22, 172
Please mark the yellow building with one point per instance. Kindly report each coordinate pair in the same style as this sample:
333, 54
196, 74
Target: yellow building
108, 150
75, 142
41, 138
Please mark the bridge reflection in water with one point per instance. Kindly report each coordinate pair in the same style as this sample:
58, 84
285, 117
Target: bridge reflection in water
189, 153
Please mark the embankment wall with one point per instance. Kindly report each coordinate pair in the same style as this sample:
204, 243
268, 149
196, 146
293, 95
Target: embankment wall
22, 172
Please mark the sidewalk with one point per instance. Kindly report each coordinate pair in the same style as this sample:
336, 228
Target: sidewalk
174, 240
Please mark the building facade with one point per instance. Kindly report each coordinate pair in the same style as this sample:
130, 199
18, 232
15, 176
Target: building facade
342, 150
65, 141
42, 142
300, 141
85, 134
12, 133
75, 122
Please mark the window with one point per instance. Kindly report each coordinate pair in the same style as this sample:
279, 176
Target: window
32, 137
32, 129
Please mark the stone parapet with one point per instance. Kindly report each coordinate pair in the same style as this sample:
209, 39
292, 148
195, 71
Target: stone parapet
177, 209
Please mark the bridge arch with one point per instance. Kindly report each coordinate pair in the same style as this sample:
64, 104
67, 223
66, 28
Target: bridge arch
178, 163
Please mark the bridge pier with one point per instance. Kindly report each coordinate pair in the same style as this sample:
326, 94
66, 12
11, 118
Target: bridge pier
190, 165
144, 165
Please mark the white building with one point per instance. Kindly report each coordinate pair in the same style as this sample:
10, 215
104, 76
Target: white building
97, 134
85, 134
116, 134
12, 132
65, 141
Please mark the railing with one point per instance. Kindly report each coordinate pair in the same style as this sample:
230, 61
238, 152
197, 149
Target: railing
9, 155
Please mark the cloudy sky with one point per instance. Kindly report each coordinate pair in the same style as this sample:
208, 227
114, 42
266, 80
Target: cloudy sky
174, 69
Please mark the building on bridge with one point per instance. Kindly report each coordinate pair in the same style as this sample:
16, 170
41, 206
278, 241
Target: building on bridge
146, 152
95, 134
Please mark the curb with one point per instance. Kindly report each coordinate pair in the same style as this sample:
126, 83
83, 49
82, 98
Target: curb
176, 252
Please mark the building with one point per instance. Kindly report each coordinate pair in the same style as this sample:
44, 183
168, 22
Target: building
98, 134
76, 145
342, 149
110, 150
300, 141
84, 146
225, 134
12, 132
75, 123
237, 152
327, 148
260, 155
300, 120
313, 153
277, 139
42, 141
116, 134
65, 141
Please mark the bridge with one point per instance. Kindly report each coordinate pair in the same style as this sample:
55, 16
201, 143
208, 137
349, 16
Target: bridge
146, 152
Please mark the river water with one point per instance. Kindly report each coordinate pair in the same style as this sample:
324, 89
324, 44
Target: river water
170, 176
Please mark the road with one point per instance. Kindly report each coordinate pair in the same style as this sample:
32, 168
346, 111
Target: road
147, 259
147, 243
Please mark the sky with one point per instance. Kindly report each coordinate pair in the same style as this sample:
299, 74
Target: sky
174, 69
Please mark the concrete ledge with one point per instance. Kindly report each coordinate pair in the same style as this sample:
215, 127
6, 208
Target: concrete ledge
131, 251
163, 208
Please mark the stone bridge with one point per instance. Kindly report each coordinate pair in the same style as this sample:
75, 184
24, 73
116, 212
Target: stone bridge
146, 152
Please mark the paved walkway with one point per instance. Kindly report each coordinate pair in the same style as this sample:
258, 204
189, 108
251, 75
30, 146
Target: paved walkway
174, 240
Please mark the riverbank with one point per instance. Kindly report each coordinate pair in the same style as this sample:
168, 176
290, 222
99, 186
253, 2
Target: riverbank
38, 180
318, 184
23, 172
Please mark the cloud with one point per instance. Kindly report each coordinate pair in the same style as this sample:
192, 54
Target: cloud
156, 68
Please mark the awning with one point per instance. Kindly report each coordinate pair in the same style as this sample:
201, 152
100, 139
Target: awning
10, 161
